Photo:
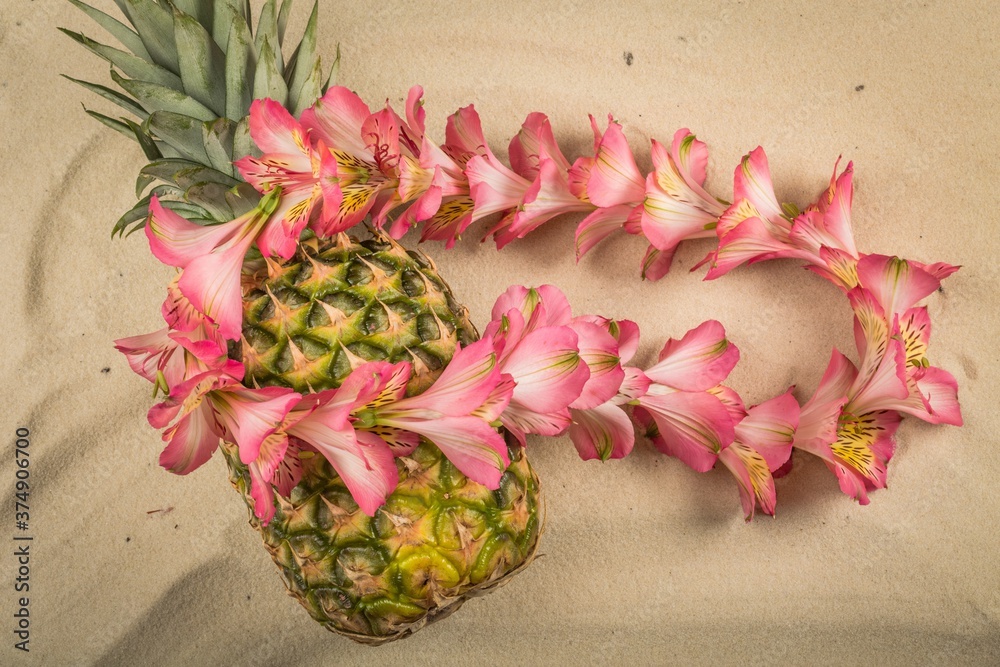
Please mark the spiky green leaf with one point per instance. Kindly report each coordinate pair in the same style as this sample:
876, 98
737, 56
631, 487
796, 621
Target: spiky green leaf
267, 31
303, 62
218, 140
243, 144
201, 11
286, 9
202, 63
154, 97
242, 199
138, 212
149, 147
241, 67
133, 66
114, 96
182, 133
185, 173
113, 123
311, 90
128, 38
211, 197
268, 81
155, 26
225, 15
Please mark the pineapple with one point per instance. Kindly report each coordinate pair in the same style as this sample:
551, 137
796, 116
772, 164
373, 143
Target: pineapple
190, 73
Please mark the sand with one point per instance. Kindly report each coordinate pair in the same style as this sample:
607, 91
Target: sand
646, 562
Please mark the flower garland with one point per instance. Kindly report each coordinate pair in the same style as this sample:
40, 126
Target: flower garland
537, 369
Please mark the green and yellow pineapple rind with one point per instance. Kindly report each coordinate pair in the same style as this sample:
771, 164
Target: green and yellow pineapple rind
309, 321
439, 539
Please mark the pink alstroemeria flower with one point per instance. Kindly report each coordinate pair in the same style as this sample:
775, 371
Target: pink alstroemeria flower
536, 159
454, 413
693, 423
762, 445
291, 163
367, 149
211, 258
325, 422
539, 349
189, 345
677, 207
614, 185
604, 430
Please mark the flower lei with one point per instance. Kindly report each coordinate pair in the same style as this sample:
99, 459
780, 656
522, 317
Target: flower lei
537, 369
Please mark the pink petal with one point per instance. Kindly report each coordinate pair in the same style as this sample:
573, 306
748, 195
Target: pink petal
752, 181
368, 470
769, 429
478, 451
494, 187
415, 113
212, 284
466, 383
835, 204
598, 226
149, 353
548, 197
691, 159
497, 401
520, 419
634, 386
820, 416
599, 351
701, 359
177, 310
533, 140
176, 241
732, 400
557, 308
262, 470
615, 179
895, 283
464, 135
289, 472
336, 120
885, 385
656, 263
604, 432
940, 392
547, 368
274, 130
754, 478
381, 132
838, 267
251, 415
191, 441
694, 426
666, 221
749, 242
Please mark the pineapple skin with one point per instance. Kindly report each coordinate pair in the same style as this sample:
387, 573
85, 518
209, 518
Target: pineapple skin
440, 538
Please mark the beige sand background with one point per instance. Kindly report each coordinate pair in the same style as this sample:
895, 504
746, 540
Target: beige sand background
645, 561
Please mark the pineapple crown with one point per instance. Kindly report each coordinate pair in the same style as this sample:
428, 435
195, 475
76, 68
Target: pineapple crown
189, 71
196, 72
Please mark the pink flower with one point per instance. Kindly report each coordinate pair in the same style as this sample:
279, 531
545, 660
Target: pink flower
676, 205
211, 258
450, 413
539, 349
693, 424
291, 163
762, 445
604, 431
